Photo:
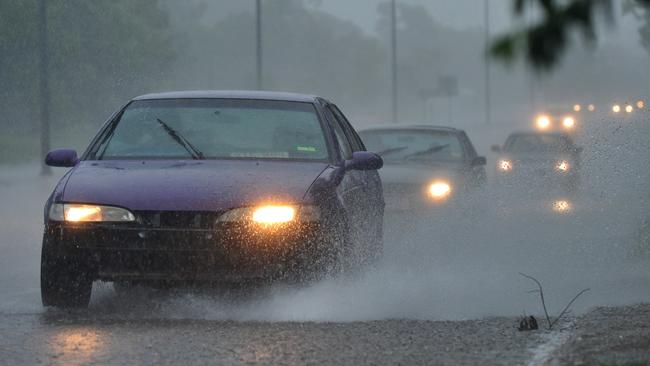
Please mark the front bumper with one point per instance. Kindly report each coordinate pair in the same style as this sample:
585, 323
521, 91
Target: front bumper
225, 252
405, 197
536, 177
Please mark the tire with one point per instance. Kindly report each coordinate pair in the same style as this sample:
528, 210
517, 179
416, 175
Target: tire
65, 279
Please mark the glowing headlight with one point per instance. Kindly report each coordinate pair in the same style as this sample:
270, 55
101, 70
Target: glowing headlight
591, 107
274, 214
629, 109
568, 122
271, 214
439, 190
561, 206
505, 165
543, 122
73, 212
562, 166
640, 104
577, 107
616, 108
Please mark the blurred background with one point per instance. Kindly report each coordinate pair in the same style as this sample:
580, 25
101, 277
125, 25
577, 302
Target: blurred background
96, 55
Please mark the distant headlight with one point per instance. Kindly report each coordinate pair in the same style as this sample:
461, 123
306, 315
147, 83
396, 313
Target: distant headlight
562, 166
505, 165
72, 212
439, 190
568, 122
271, 214
562, 206
543, 122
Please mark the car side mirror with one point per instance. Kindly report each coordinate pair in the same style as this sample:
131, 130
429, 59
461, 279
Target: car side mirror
479, 161
364, 160
496, 148
64, 158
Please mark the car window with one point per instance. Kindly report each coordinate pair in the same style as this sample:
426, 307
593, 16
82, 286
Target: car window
344, 144
355, 140
405, 145
216, 128
471, 151
537, 143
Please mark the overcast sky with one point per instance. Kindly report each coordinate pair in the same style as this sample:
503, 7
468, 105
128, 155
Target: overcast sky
468, 14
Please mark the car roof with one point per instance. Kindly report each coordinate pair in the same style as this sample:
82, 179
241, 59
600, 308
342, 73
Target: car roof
230, 94
414, 127
537, 133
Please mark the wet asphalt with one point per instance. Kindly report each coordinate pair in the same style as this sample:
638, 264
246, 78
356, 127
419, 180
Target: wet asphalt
447, 294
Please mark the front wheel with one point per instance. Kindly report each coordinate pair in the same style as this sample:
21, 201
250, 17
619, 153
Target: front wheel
65, 280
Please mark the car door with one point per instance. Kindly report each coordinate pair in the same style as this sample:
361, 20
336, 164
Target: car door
477, 174
370, 199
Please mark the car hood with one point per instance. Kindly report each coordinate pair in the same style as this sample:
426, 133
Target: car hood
209, 185
398, 174
537, 157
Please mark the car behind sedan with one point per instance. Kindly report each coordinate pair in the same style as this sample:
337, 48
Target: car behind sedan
211, 186
549, 161
425, 166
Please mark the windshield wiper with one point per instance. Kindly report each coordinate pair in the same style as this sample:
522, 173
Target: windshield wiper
391, 150
431, 150
193, 151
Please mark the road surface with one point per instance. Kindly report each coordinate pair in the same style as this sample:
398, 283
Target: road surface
448, 291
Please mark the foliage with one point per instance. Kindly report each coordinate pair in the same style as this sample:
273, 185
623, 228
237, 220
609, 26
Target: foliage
641, 11
543, 43
99, 51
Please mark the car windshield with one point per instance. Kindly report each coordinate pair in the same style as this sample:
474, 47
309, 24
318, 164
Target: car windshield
213, 129
399, 146
537, 143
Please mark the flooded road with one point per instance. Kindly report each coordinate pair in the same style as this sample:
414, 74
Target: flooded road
447, 292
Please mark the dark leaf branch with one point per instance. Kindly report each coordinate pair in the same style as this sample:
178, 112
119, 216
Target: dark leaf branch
544, 42
564, 311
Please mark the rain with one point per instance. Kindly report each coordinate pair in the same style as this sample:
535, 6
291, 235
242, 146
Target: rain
220, 138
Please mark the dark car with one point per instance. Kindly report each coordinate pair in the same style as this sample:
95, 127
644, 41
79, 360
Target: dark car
533, 159
425, 166
211, 186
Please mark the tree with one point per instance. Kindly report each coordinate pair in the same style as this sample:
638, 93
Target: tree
642, 14
101, 54
544, 43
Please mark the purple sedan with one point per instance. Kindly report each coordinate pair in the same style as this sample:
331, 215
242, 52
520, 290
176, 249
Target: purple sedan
212, 186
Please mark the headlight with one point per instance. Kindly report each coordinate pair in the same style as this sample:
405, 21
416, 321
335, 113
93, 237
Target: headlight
505, 165
562, 166
543, 122
73, 212
274, 214
629, 109
561, 206
616, 108
439, 190
271, 214
568, 122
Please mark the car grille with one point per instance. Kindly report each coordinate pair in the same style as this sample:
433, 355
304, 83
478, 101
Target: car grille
177, 219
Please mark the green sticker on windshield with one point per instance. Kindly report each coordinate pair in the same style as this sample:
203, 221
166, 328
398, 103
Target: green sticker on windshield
306, 148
